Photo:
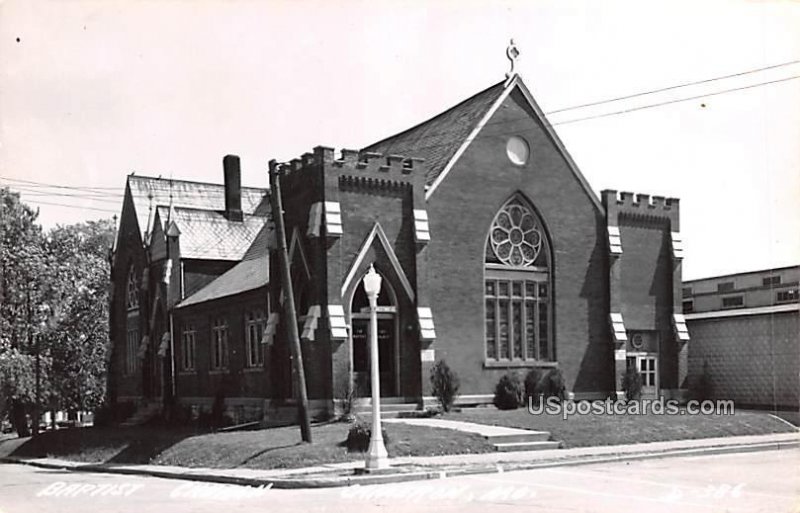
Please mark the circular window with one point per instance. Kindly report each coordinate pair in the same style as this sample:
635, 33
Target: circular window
517, 150
637, 341
515, 236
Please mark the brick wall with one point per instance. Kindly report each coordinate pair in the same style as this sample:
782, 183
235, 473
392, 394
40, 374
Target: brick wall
461, 211
752, 359
238, 380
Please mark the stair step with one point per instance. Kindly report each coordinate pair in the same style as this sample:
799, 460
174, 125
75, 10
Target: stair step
525, 446
388, 407
533, 436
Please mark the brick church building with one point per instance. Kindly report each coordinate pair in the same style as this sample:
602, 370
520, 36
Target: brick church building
495, 254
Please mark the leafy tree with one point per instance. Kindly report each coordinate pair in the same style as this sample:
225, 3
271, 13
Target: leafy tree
77, 332
53, 311
21, 285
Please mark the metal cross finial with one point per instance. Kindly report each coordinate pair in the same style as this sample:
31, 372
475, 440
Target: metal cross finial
512, 53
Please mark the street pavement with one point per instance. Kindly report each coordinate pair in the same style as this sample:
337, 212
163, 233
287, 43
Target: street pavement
766, 481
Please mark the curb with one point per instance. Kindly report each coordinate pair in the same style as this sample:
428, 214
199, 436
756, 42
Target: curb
400, 477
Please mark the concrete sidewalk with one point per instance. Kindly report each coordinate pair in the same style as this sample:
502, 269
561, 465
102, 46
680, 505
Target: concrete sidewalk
436, 467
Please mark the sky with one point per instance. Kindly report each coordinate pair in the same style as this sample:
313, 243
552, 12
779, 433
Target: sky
91, 91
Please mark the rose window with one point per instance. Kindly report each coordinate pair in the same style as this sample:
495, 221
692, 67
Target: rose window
515, 237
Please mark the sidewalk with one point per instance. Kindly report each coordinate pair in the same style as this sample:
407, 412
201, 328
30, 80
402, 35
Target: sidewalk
436, 467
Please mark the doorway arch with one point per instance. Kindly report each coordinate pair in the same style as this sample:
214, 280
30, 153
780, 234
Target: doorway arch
388, 339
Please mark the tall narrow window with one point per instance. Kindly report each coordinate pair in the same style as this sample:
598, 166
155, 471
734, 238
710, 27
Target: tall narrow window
132, 290
254, 331
188, 346
219, 344
132, 350
516, 289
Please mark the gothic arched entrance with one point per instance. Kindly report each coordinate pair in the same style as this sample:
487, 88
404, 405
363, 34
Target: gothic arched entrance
388, 340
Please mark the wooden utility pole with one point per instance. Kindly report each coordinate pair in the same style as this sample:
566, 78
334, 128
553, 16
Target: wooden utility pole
288, 303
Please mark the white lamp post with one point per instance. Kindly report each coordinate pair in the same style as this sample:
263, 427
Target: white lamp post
377, 457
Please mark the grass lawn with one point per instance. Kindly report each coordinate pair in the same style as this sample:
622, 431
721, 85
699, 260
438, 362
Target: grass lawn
593, 429
263, 449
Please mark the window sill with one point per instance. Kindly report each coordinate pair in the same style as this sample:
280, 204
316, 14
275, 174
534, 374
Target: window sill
510, 364
250, 370
187, 373
215, 372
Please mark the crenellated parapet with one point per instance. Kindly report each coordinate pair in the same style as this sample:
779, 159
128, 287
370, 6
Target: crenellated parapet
641, 205
372, 169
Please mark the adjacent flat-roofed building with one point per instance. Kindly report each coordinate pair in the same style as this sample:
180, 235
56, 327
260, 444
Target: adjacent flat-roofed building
745, 332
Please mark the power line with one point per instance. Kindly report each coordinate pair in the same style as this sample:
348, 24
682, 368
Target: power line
71, 206
670, 88
79, 188
103, 191
448, 142
678, 100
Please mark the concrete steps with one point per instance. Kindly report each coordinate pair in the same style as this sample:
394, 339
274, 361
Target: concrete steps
503, 439
532, 436
526, 446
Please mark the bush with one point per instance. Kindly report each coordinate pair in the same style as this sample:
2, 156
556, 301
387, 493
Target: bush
701, 388
632, 384
444, 383
509, 392
358, 437
532, 386
545, 384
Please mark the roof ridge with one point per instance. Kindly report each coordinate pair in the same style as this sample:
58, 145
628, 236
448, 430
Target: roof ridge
193, 182
437, 139
216, 211
436, 116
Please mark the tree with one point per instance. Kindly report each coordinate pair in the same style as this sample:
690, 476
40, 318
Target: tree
77, 332
53, 313
21, 285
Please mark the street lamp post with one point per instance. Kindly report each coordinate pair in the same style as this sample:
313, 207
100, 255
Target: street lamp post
377, 457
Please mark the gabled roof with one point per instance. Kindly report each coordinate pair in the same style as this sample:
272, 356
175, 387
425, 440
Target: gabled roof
197, 195
438, 139
249, 274
443, 139
209, 235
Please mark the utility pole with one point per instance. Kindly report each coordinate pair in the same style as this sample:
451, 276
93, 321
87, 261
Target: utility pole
288, 295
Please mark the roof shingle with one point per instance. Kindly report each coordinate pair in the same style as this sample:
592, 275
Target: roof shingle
209, 235
196, 195
437, 139
249, 274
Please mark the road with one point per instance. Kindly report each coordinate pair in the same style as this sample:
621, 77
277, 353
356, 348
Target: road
748, 482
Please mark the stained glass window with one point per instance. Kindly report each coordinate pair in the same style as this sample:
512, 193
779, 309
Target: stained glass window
517, 287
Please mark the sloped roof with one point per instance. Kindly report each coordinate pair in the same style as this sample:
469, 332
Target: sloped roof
197, 195
437, 139
209, 235
249, 274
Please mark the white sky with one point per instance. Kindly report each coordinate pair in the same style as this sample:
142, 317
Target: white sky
96, 89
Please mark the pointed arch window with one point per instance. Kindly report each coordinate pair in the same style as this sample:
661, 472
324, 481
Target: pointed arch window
132, 290
517, 288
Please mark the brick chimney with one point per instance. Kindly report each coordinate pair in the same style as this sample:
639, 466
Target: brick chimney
233, 188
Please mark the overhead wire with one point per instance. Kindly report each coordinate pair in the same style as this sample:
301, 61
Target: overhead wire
94, 193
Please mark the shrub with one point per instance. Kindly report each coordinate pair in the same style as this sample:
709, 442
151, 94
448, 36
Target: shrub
701, 388
509, 392
346, 395
532, 387
632, 384
359, 434
545, 384
444, 383
554, 384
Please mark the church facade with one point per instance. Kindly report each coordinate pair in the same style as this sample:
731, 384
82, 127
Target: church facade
496, 256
